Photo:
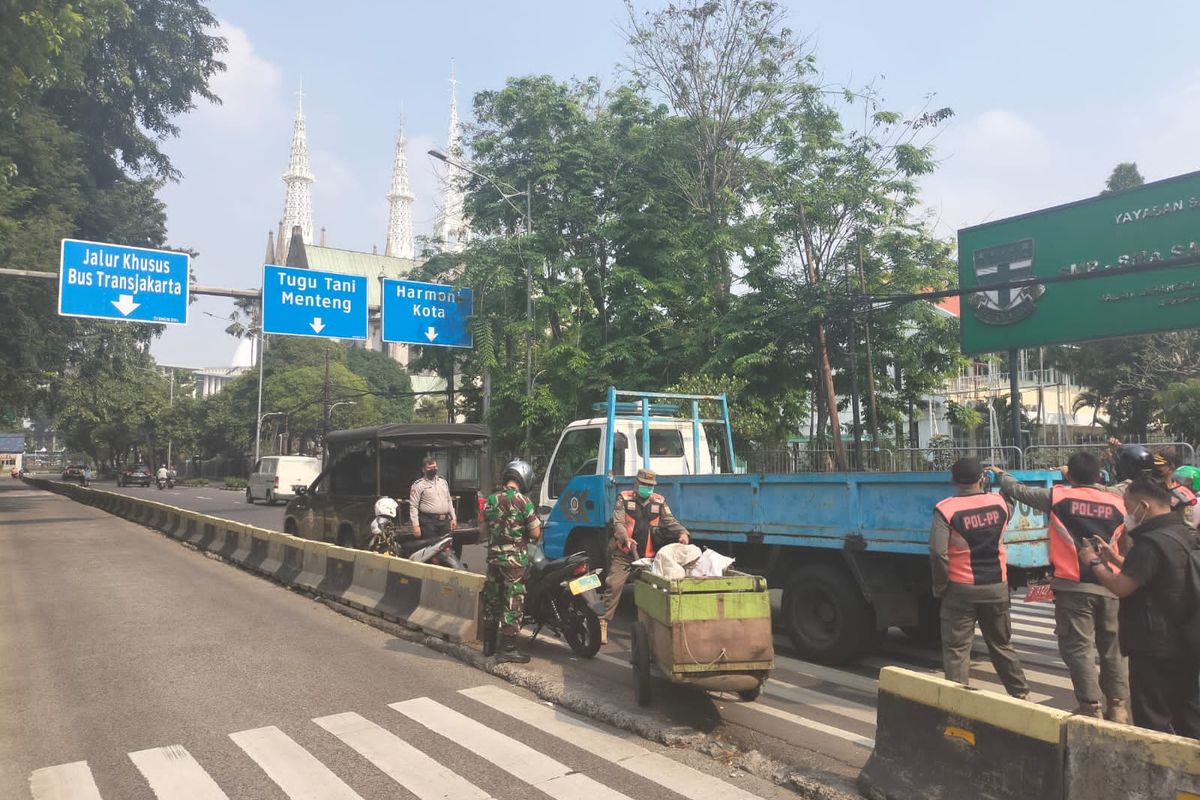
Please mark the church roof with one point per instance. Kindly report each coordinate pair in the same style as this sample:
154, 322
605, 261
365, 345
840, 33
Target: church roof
351, 262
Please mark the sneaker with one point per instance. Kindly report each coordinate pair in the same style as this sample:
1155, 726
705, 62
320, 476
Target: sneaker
1117, 711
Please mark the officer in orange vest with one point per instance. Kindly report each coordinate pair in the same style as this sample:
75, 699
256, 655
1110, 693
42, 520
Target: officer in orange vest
642, 524
970, 575
1081, 512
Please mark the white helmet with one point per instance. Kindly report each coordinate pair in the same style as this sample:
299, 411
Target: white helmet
386, 507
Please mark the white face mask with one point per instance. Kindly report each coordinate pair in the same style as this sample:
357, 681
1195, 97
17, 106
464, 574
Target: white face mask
1132, 522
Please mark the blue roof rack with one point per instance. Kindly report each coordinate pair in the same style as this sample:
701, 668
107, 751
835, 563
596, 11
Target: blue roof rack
634, 409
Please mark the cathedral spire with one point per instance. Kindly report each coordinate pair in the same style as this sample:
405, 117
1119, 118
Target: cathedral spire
297, 206
452, 231
400, 203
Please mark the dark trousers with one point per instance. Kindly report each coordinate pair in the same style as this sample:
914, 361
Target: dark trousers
959, 615
1086, 625
1164, 694
433, 528
619, 565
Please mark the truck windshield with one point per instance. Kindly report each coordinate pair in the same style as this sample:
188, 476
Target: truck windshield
578, 449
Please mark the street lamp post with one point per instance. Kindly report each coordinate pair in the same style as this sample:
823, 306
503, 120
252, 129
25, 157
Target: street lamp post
527, 217
258, 426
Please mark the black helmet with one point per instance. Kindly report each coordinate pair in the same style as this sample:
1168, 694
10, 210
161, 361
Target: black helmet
1133, 460
520, 471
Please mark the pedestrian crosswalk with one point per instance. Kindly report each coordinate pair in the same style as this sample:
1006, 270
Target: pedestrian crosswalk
286, 761
834, 707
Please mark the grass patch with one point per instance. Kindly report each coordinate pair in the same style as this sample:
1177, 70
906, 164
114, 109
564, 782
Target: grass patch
194, 482
235, 483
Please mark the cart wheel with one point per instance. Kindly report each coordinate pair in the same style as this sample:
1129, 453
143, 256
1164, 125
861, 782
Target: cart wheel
750, 695
640, 659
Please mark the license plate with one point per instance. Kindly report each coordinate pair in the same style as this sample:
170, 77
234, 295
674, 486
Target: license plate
1039, 593
587, 582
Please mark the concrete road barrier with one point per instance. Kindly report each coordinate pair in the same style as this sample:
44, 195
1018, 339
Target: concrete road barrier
937, 740
440, 601
1106, 761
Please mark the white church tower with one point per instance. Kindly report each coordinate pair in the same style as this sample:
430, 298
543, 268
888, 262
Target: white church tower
297, 207
451, 231
400, 204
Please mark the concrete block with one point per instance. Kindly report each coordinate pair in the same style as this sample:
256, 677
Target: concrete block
937, 740
1106, 761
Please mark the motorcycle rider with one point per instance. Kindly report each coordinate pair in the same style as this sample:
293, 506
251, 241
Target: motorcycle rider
161, 476
383, 526
511, 523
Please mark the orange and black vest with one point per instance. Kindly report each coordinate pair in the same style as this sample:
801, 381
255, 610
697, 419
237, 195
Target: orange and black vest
1078, 513
1181, 497
976, 550
642, 520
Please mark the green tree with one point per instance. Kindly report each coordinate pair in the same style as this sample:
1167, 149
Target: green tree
387, 381
89, 90
1180, 404
1124, 176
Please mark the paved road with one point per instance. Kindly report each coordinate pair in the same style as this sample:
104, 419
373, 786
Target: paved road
209, 500
134, 667
809, 713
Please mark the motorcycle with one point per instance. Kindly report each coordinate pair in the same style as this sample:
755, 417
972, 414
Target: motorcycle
165, 483
439, 552
562, 595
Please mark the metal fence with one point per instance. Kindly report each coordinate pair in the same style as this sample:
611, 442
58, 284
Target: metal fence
1040, 456
216, 468
804, 459
939, 459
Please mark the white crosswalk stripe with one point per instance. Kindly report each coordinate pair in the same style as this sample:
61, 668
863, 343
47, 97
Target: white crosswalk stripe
72, 781
517, 758
295, 770
174, 775
622, 750
425, 777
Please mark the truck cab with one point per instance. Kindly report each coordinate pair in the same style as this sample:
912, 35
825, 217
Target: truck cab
580, 451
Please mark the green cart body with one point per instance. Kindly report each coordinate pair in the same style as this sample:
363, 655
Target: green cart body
713, 633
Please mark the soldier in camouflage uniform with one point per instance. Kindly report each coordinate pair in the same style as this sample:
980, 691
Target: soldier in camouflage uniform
512, 522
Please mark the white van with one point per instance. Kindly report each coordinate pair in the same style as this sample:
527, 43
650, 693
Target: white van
276, 477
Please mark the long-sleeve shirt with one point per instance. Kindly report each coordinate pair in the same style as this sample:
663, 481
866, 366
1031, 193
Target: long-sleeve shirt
668, 530
939, 561
1038, 497
430, 496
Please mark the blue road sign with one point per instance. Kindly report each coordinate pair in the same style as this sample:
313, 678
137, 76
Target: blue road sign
305, 302
111, 281
428, 314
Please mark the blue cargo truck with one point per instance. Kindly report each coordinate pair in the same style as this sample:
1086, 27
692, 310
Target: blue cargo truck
849, 549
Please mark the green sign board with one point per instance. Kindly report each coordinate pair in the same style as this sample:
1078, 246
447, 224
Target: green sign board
1099, 253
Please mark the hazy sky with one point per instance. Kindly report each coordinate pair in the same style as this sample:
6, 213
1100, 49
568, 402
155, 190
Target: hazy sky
1048, 97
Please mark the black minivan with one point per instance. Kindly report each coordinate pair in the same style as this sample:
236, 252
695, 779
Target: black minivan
367, 463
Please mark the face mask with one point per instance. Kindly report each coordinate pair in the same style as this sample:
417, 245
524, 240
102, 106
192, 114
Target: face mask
644, 492
1132, 522
431, 473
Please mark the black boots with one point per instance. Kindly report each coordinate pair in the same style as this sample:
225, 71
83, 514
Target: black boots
509, 654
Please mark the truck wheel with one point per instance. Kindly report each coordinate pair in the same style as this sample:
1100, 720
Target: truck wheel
345, 537
290, 527
825, 615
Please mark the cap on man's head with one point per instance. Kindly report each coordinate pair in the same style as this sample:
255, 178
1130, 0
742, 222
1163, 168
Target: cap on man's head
966, 471
647, 476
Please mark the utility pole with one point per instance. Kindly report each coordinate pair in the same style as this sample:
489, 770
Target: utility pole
325, 415
855, 407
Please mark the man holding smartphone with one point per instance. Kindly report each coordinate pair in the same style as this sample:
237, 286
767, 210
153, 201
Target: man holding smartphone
1085, 612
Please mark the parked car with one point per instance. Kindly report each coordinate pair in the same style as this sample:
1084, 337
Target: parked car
277, 477
73, 472
140, 474
367, 463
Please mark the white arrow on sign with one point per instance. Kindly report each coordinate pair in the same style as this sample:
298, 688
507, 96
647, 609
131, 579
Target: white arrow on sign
125, 304
431, 334
317, 325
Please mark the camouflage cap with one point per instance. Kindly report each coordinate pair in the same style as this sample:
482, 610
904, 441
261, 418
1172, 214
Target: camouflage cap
647, 476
